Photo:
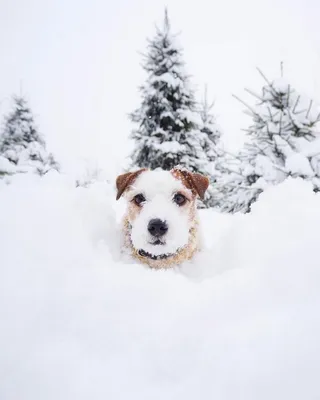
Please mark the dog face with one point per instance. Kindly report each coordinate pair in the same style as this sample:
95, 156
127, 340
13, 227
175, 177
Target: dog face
161, 208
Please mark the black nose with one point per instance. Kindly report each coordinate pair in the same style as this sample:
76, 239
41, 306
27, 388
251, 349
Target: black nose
157, 227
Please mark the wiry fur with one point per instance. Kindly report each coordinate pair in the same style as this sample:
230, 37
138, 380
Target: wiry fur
182, 239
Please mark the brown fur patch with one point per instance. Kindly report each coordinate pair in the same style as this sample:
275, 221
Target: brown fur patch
125, 180
133, 210
197, 183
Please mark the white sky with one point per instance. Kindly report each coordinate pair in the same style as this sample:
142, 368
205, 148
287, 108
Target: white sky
79, 62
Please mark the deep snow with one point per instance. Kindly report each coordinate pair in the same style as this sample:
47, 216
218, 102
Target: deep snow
78, 321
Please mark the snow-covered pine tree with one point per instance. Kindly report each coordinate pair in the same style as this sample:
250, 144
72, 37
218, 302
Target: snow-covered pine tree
233, 191
168, 124
21, 144
283, 141
211, 131
210, 139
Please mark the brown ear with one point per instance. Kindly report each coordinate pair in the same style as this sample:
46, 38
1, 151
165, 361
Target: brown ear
198, 183
125, 180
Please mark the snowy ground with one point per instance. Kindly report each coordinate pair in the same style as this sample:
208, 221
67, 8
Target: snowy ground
79, 322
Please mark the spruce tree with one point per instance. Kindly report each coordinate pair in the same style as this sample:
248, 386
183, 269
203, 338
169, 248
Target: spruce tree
167, 134
211, 133
281, 143
234, 188
21, 144
210, 139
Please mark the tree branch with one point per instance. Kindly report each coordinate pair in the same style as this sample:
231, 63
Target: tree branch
247, 105
309, 109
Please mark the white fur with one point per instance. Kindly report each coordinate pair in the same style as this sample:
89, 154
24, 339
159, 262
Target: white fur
159, 187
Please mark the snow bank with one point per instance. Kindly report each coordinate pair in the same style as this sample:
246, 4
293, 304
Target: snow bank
80, 322
6, 166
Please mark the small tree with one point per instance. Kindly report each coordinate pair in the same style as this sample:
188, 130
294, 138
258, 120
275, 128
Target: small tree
234, 190
21, 144
281, 141
210, 139
211, 131
168, 133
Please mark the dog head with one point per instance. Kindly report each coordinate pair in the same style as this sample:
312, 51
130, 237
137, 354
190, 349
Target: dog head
161, 209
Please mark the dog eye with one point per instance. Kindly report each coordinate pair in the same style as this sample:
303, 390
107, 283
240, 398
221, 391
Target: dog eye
179, 199
139, 199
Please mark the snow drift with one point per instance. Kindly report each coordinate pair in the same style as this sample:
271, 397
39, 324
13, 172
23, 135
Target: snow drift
78, 321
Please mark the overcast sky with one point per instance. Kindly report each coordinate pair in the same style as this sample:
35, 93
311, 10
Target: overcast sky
78, 62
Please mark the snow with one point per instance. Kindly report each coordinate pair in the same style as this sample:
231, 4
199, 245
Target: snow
312, 148
168, 78
169, 147
80, 321
190, 116
264, 167
6, 165
299, 164
281, 85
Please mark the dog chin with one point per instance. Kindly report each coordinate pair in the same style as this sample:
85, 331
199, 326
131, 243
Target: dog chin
159, 249
163, 246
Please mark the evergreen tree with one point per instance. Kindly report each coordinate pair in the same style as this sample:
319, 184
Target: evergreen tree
168, 125
210, 139
283, 141
211, 133
21, 144
234, 189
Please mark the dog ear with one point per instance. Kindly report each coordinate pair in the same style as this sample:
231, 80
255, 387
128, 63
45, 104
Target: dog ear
125, 180
198, 183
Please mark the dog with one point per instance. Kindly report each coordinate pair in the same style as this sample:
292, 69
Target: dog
160, 226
